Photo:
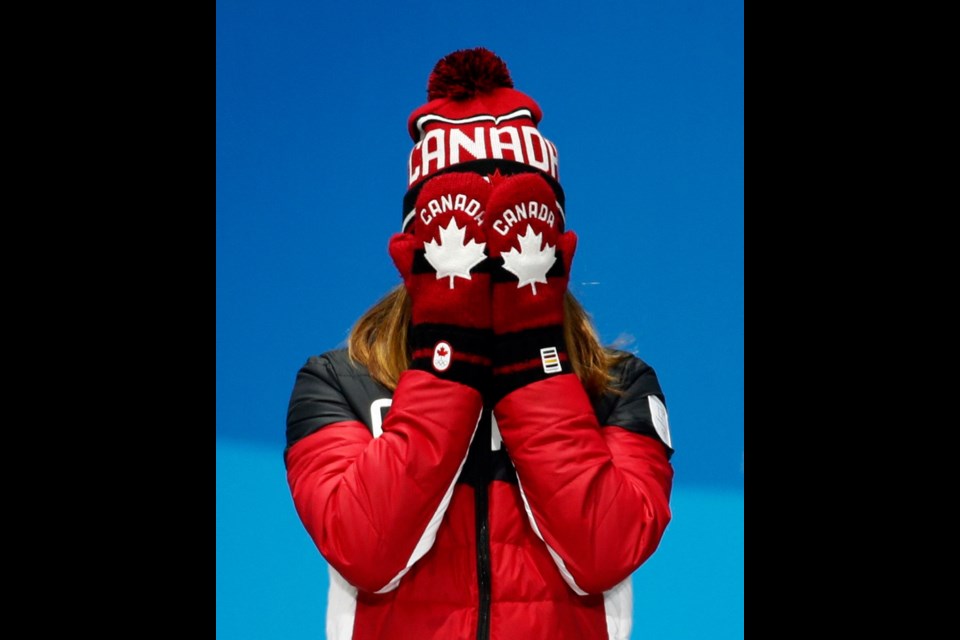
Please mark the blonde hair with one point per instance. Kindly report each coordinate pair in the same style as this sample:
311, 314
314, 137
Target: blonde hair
378, 341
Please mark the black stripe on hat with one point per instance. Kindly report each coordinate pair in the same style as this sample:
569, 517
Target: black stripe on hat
484, 167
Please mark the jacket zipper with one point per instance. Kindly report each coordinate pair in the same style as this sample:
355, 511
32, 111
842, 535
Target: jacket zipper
483, 559
481, 506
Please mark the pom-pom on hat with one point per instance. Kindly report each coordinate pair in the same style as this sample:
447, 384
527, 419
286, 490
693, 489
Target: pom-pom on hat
476, 121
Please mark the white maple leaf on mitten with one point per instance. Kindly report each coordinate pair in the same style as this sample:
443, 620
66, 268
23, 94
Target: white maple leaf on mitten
452, 257
531, 263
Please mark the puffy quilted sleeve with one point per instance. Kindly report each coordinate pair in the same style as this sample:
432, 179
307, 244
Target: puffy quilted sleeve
597, 490
373, 505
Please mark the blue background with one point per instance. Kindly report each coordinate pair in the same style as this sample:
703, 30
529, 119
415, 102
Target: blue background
645, 104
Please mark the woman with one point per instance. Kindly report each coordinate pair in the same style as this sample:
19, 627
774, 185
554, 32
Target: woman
475, 464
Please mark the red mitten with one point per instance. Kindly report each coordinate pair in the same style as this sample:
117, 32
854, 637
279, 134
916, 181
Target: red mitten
530, 257
445, 268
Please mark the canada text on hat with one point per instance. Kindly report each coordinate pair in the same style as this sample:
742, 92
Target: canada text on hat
476, 121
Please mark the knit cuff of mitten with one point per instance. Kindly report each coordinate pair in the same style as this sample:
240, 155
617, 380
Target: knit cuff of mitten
452, 353
527, 356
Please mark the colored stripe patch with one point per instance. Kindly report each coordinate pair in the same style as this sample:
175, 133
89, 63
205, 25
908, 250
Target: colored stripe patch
550, 360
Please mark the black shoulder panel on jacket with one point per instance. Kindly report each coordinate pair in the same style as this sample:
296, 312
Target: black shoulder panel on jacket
330, 388
631, 409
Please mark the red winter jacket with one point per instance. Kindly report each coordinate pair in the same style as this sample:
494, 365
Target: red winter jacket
440, 522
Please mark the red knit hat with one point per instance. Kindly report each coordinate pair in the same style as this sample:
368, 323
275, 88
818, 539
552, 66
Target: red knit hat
476, 121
